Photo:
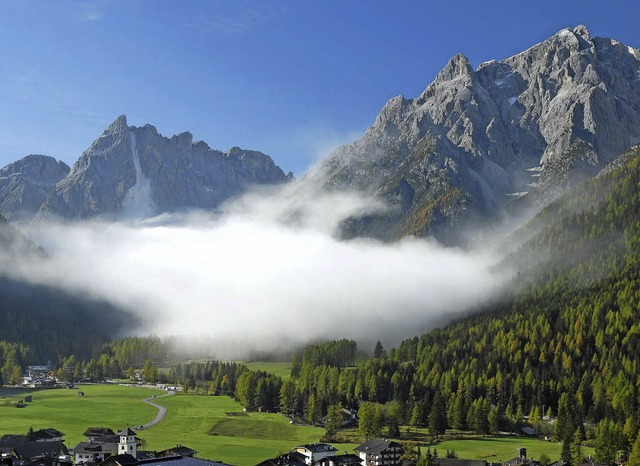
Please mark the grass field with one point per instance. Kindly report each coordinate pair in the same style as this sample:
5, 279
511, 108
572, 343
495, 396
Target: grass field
497, 449
112, 406
218, 429
282, 369
473, 446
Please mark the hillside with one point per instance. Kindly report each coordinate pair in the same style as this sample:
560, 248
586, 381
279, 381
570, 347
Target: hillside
41, 323
566, 342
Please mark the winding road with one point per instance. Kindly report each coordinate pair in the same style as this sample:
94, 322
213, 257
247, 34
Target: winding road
162, 411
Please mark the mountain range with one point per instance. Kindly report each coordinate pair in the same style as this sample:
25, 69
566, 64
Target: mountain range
475, 145
132, 172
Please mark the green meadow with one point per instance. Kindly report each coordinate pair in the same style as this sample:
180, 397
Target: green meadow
497, 449
218, 428
215, 426
112, 406
281, 369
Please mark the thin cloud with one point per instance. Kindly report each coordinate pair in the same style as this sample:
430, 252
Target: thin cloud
230, 18
91, 11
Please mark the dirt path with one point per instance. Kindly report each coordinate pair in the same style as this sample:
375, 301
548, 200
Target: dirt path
162, 411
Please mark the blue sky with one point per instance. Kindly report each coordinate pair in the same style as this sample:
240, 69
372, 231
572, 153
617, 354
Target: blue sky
292, 78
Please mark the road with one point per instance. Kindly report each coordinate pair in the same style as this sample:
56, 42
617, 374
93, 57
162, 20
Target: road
162, 411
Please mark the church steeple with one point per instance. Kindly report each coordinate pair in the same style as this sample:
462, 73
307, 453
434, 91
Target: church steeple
128, 443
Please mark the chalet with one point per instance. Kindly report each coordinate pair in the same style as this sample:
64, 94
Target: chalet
95, 433
380, 452
38, 371
314, 452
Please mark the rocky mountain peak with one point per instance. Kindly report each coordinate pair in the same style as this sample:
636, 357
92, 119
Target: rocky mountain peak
476, 142
580, 30
25, 184
457, 66
136, 172
119, 125
184, 139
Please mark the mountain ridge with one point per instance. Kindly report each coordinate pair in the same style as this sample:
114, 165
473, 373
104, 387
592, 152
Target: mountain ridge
168, 174
474, 142
25, 184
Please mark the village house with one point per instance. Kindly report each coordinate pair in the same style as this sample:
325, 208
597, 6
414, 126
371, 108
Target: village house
102, 442
314, 452
380, 452
16, 450
288, 459
341, 460
93, 434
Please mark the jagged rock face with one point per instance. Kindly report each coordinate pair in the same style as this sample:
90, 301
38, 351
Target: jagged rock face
25, 184
137, 172
474, 141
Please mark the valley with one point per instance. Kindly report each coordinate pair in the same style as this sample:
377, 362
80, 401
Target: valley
463, 278
201, 423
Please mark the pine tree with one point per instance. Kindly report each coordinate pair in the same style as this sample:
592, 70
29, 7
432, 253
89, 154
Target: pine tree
438, 416
634, 456
369, 420
379, 351
333, 421
565, 455
576, 446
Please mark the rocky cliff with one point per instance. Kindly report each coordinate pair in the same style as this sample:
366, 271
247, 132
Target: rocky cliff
136, 172
475, 141
25, 184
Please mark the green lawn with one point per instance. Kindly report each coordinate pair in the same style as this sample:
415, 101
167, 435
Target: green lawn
200, 422
112, 406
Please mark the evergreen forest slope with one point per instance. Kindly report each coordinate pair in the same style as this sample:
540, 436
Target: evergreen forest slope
40, 323
566, 342
571, 329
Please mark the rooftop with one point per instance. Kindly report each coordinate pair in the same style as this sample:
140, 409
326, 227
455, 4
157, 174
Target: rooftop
376, 445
